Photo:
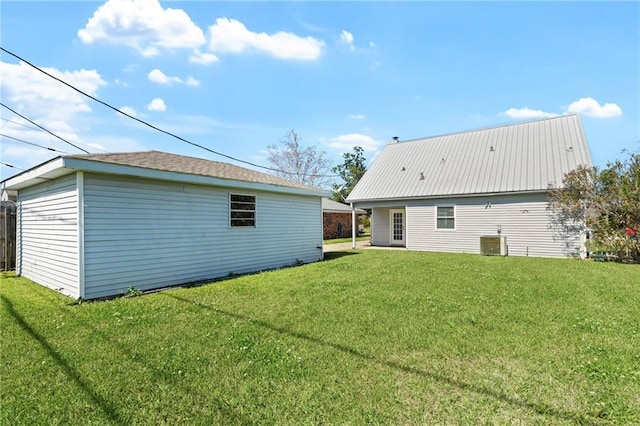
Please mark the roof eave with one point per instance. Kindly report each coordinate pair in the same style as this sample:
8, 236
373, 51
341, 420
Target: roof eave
65, 165
433, 197
358, 211
51, 169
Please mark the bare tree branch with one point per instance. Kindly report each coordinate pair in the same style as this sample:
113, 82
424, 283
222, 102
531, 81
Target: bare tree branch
306, 165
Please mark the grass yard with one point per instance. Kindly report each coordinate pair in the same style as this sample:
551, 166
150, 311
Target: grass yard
386, 337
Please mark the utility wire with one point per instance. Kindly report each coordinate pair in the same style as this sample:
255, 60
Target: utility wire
34, 144
46, 130
35, 128
18, 123
149, 124
11, 165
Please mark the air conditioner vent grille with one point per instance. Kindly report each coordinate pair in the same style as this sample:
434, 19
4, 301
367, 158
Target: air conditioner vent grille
493, 245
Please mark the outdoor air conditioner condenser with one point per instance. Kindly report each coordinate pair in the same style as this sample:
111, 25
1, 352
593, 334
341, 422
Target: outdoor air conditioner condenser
493, 245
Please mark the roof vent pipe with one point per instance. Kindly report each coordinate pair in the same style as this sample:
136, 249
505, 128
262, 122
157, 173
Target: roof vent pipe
396, 139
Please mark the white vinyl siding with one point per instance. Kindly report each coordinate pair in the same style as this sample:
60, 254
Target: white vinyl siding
380, 227
47, 235
523, 219
148, 234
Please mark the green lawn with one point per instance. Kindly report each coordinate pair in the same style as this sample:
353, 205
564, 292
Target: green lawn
366, 336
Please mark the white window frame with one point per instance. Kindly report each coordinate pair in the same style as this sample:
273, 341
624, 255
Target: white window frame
438, 228
231, 210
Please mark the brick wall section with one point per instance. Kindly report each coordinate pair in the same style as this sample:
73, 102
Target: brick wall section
337, 225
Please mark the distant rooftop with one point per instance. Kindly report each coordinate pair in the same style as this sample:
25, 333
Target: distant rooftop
330, 206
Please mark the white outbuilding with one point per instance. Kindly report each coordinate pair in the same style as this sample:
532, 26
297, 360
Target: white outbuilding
96, 225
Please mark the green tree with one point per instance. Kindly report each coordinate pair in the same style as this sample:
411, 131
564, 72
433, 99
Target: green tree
350, 171
293, 161
607, 202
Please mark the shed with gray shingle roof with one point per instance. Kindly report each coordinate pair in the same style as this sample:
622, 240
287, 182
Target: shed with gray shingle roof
95, 225
338, 220
443, 193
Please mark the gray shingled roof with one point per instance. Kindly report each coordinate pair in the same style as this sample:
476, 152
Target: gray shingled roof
164, 161
330, 206
513, 158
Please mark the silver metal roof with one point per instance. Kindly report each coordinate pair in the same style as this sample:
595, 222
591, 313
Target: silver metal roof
517, 157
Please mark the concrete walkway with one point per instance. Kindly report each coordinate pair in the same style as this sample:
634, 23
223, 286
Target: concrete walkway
359, 245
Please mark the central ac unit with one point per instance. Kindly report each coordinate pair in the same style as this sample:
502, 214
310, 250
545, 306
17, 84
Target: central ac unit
493, 245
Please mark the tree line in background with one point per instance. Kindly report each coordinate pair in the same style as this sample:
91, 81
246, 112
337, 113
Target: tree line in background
607, 203
310, 166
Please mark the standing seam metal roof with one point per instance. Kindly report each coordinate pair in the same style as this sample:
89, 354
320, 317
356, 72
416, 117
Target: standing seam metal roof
517, 157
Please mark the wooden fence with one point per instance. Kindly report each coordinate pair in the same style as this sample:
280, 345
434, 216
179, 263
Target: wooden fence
7, 235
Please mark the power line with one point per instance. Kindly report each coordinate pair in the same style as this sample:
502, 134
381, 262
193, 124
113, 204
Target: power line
11, 165
40, 130
46, 130
19, 124
149, 124
34, 144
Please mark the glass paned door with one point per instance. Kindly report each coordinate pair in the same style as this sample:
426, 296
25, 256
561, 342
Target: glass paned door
397, 227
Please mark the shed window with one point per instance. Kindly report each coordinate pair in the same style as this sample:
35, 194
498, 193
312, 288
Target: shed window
445, 217
242, 210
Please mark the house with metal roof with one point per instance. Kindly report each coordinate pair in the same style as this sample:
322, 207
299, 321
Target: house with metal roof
456, 192
95, 225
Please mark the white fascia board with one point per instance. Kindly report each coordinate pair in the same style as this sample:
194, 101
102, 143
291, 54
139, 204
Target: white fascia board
49, 170
120, 169
365, 202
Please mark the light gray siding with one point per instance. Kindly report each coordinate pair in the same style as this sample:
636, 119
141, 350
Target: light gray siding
47, 235
523, 219
380, 227
149, 234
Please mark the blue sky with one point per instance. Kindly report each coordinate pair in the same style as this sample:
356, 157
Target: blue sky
236, 77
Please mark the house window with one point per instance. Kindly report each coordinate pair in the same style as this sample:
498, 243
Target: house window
445, 218
242, 210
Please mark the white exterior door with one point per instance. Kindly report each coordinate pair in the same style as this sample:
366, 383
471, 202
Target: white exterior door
397, 227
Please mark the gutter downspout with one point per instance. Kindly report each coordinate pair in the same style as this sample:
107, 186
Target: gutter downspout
353, 226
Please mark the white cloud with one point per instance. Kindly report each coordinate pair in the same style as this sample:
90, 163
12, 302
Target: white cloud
231, 36
347, 38
190, 81
129, 110
158, 77
48, 103
528, 113
157, 104
356, 117
348, 141
586, 106
40, 97
592, 108
142, 25
198, 57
